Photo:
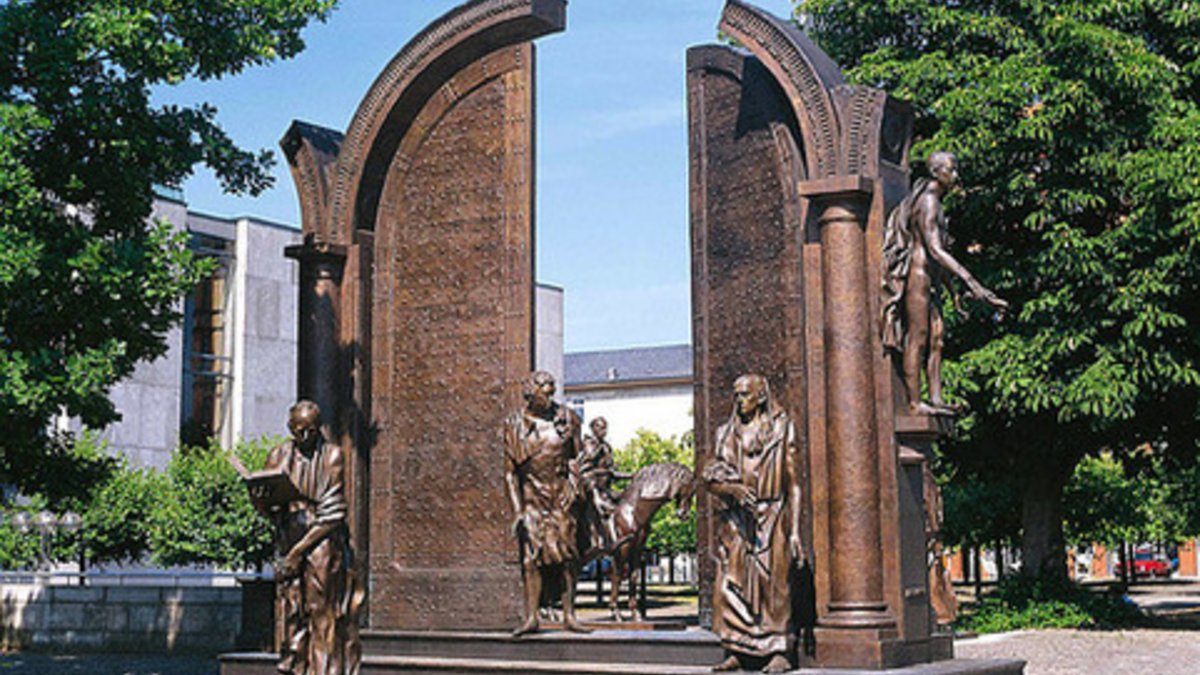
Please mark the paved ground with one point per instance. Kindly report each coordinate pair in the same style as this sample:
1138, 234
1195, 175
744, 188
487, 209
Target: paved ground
106, 664
1173, 649
1142, 652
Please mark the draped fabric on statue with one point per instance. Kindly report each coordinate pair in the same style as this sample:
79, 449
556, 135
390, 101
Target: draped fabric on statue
752, 608
320, 607
898, 240
549, 485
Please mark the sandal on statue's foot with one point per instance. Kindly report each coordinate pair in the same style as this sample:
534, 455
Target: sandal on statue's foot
778, 664
575, 627
530, 626
730, 663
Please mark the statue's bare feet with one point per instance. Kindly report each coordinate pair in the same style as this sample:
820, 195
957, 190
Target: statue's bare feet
615, 615
529, 626
637, 616
730, 664
778, 664
572, 624
924, 408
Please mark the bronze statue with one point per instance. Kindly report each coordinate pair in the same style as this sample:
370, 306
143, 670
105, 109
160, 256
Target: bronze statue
599, 470
629, 522
758, 529
915, 257
542, 477
318, 594
941, 592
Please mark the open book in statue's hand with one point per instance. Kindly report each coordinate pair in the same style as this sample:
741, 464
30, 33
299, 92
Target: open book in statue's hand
271, 488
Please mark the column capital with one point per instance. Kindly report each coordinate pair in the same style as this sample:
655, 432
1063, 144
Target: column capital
837, 186
309, 252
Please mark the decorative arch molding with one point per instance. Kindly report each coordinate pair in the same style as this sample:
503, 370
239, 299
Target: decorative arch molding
417, 72
806, 74
312, 152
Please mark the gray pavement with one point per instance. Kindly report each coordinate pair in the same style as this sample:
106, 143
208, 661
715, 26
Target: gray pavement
106, 664
1065, 652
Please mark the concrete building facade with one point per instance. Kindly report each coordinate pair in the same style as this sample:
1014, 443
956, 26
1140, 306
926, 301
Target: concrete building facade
230, 369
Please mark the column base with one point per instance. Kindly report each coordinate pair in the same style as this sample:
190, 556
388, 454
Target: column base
877, 649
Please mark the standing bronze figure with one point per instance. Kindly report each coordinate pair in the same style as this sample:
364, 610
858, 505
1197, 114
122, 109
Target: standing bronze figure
758, 529
542, 477
599, 470
915, 259
317, 591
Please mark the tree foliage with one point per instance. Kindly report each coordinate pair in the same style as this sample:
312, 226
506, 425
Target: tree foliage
1076, 124
88, 286
668, 535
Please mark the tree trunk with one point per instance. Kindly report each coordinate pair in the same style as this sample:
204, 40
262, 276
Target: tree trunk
1043, 547
999, 561
671, 569
978, 572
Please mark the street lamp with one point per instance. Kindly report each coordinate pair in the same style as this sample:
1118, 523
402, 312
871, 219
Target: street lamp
47, 524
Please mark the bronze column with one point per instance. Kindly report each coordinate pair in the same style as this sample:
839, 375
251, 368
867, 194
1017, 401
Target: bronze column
856, 566
321, 269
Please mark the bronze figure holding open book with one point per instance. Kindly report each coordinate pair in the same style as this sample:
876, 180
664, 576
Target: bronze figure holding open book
302, 491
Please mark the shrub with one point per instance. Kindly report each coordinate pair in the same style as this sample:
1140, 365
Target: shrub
116, 521
204, 516
1023, 602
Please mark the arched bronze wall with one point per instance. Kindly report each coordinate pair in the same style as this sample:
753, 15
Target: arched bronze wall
854, 142
419, 224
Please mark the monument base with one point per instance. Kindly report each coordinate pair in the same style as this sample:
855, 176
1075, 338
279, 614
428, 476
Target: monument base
879, 650
615, 652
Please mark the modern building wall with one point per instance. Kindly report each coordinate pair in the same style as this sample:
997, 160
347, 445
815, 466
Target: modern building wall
255, 351
265, 315
149, 400
258, 344
548, 348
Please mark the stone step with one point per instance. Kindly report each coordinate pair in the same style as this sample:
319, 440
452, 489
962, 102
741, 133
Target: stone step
679, 648
264, 664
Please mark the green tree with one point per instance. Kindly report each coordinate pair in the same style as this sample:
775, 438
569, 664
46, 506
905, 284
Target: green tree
1076, 124
204, 515
88, 285
1102, 504
669, 535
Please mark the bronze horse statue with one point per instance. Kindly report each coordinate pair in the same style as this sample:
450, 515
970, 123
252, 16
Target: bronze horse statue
628, 525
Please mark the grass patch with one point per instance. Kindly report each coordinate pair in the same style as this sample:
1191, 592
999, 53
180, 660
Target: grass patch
1021, 602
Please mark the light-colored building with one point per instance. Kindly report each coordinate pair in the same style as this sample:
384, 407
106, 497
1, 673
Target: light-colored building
642, 388
548, 349
230, 368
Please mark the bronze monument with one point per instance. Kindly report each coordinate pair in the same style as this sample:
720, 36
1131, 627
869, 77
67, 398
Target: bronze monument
318, 595
758, 530
541, 474
916, 259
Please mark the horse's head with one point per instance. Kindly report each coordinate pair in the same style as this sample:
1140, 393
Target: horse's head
684, 491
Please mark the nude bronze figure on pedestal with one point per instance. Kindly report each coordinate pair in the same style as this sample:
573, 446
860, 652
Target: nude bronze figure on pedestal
544, 489
916, 259
755, 476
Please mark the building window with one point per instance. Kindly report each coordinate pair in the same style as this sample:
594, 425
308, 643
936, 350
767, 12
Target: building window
206, 355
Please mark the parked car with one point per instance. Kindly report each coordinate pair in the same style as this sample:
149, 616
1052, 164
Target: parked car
1146, 564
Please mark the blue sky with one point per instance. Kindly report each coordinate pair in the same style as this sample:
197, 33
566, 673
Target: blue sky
612, 211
